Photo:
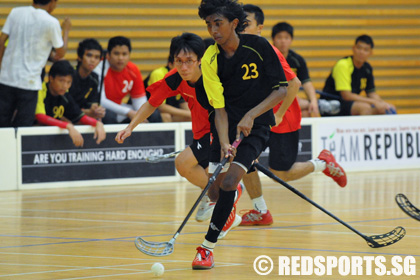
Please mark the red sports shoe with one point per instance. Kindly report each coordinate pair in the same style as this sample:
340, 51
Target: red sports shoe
233, 219
203, 259
256, 218
333, 169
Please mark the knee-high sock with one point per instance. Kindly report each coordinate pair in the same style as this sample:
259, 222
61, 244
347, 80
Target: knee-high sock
220, 214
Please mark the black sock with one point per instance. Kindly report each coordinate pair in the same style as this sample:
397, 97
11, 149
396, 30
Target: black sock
220, 214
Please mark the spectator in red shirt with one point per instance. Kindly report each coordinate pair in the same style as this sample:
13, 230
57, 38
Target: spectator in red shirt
121, 79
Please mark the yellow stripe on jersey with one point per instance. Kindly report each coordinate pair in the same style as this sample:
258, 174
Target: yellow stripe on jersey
342, 72
88, 93
42, 94
212, 85
254, 51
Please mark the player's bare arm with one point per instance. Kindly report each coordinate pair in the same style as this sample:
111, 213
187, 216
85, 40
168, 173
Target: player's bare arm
292, 90
75, 135
349, 96
222, 126
100, 133
381, 105
309, 89
247, 122
60, 52
142, 114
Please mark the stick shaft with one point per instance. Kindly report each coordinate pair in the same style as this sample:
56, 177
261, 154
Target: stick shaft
289, 187
211, 180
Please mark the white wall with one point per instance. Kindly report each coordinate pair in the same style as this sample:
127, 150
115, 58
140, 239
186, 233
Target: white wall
8, 159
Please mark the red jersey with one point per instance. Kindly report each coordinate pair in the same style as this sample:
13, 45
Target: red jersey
173, 85
293, 115
119, 84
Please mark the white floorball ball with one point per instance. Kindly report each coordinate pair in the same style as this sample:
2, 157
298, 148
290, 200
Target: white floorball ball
158, 269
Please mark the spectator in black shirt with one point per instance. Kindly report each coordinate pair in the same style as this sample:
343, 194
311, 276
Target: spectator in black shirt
84, 88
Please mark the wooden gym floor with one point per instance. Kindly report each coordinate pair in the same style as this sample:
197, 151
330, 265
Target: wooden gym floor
88, 233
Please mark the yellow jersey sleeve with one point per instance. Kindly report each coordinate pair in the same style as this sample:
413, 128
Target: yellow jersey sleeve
212, 85
42, 94
342, 74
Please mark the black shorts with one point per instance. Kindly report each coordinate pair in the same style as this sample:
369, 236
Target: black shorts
283, 150
345, 108
250, 148
201, 150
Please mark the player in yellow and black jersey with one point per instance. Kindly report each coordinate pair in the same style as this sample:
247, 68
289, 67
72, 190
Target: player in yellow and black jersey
243, 80
353, 74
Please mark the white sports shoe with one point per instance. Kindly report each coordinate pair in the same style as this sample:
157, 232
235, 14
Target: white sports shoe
205, 209
228, 227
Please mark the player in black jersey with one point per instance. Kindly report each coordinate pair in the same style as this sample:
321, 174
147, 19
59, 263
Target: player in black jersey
243, 80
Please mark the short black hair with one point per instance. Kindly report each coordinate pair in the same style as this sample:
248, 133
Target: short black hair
365, 39
281, 26
258, 13
61, 68
229, 9
88, 44
188, 42
118, 41
42, 2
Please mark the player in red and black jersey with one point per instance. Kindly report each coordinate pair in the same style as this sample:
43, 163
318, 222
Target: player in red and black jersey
187, 51
55, 104
284, 138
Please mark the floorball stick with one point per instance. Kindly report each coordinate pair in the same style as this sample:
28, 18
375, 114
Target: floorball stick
159, 249
407, 207
374, 241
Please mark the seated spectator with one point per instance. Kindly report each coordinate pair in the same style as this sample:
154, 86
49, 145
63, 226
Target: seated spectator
55, 104
84, 88
282, 36
353, 74
174, 108
121, 80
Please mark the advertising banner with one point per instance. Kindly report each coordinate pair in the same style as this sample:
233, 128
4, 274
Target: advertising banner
375, 142
54, 158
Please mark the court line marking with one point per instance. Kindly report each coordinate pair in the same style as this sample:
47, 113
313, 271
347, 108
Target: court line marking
109, 275
103, 257
79, 266
150, 261
81, 240
94, 197
144, 272
309, 250
93, 213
